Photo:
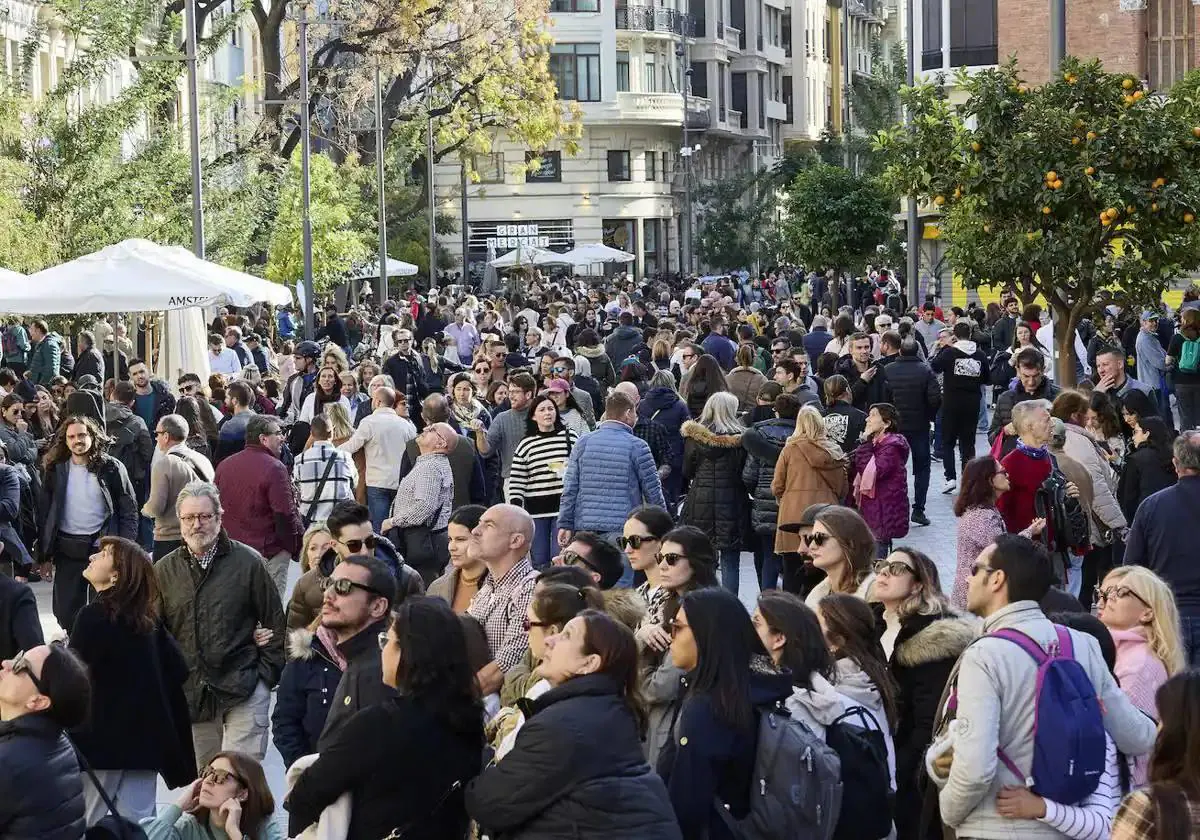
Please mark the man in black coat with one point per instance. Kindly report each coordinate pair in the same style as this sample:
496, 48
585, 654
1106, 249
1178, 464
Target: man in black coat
20, 627
964, 371
868, 385
917, 398
42, 694
88, 359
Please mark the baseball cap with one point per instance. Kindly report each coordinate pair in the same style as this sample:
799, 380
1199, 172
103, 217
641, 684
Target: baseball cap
807, 519
559, 385
1149, 315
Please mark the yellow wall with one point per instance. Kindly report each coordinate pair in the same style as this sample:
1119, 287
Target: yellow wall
834, 15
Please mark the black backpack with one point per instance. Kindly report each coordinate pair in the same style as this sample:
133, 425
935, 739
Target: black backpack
1067, 520
866, 811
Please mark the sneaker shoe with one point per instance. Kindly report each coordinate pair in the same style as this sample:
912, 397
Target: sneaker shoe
919, 517
935, 455
950, 486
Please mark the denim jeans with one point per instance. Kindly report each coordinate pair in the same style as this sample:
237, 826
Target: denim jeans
379, 504
767, 564
731, 561
918, 444
1189, 624
545, 541
145, 537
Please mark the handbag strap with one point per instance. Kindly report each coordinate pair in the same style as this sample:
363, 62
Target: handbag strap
400, 832
312, 506
108, 802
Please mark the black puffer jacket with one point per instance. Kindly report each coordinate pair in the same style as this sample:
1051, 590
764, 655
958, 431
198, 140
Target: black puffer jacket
41, 791
576, 771
763, 443
915, 392
716, 502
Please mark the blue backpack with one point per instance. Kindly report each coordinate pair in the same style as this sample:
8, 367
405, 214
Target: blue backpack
1068, 724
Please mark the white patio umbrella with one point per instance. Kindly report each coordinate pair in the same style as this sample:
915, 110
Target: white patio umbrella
597, 253
7, 277
527, 255
395, 268
137, 276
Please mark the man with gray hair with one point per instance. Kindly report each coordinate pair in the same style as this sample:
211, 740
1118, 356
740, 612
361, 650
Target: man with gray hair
383, 436
1161, 540
215, 593
174, 467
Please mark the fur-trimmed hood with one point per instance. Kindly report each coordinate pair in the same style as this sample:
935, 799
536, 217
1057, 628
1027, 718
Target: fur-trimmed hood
626, 606
940, 637
304, 644
703, 434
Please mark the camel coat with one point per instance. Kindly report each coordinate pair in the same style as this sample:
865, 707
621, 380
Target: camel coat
807, 473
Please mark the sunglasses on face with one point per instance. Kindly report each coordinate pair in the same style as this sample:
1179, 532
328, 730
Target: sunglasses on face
975, 567
636, 541
344, 586
528, 625
220, 777
1114, 593
817, 539
356, 546
893, 569
22, 665
670, 558
558, 370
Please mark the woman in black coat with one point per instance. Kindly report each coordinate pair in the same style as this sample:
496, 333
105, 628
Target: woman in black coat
717, 502
1148, 466
139, 725
577, 769
923, 638
405, 761
306, 687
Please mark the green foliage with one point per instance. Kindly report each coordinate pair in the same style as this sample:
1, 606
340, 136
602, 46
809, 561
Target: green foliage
1082, 189
335, 203
835, 218
736, 221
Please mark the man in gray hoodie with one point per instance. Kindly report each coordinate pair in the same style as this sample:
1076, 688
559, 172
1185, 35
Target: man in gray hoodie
996, 684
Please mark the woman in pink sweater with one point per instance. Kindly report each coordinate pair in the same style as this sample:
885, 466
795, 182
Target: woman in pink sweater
1138, 609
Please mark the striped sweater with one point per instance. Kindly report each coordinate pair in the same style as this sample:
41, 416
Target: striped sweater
532, 484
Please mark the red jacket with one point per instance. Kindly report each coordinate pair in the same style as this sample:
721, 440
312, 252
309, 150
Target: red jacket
1025, 476
260, 509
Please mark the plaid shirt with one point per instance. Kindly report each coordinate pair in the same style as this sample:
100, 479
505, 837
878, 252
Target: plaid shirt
1137, 817
426, 494
500, 606
306, 475
656, 438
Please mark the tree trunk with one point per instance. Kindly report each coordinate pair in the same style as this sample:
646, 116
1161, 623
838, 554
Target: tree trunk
1065, 323
835, 289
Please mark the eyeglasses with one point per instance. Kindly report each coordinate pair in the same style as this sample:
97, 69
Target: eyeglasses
778, 351
197, 518
344, 586
356, 546
22, 665
1114, 593
975, 567
670, 559
558, 370
528, 625
675, 626
574, 558
220, 777
817, 539
894, 568
636, 541
688, 356
1000, 471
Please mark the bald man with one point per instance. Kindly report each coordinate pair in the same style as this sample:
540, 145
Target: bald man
470, 487
501, 541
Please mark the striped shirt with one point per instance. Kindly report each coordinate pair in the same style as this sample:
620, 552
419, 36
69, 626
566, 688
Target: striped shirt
1091, 818
306, 475
538, 466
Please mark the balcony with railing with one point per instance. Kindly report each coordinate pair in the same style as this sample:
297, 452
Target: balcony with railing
655, 19
663, 108
734, 39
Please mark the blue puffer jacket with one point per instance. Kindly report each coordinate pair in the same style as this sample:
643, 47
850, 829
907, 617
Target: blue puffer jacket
610, 473
309, 681
41, 792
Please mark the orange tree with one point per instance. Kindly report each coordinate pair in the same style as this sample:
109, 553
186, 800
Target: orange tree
1083, 189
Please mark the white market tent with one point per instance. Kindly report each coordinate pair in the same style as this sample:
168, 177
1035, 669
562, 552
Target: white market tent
597, 254
140, 276
395, 268
524, 255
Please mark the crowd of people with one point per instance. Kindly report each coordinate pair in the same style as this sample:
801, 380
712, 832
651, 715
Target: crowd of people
518, 524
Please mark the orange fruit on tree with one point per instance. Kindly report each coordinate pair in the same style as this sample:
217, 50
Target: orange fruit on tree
1051, 176
1188, 218
1091, 135
1129, 209
1196, 131
1046, 210
1127, 84
1091, 170
1075, 141
1159, 182
1057, 184
976, 146
1138, 94
939, 200
1154, 207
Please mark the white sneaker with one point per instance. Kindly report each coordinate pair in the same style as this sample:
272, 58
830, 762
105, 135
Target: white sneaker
950, 486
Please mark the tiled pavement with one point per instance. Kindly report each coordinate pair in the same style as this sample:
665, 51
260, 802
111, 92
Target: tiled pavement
937, 540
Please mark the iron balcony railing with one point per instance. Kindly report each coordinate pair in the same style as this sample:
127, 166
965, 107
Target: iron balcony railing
655, 19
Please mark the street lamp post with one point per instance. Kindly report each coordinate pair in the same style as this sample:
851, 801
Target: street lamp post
1058, 35
685, 153
189, 12
912, 266
429, 177
379, 150
305, 186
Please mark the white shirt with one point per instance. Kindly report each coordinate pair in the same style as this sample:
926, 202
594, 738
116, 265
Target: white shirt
83, 510
1045, 334
225, 362
310, 403
385, 434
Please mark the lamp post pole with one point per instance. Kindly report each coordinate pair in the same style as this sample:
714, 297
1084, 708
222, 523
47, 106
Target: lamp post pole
1058, 35
305, 186
379, 187
914, 239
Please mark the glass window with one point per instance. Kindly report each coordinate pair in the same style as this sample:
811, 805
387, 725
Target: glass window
622, 70
651, 75
574, 5
651, 166
549, 171
490, 167
618, 166
972, 33
576, 71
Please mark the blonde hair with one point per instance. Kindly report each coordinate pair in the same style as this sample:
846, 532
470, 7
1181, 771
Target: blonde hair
313, 530
809, 425
340, 426
1162, 633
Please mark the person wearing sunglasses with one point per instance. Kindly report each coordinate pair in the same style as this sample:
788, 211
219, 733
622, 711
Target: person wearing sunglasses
599, 558
229, 799
922, 637
641, 539
555, 782
842, 546
44, 692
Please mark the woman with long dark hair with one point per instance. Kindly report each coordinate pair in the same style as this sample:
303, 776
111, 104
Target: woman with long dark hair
535, 480
139, 725
230, 798
576, 769
429, 736
326, 389
709, 760
703, 380
842, 546
1149, 466
1170, 806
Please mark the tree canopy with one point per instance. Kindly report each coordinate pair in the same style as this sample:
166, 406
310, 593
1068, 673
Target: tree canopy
1082, 189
